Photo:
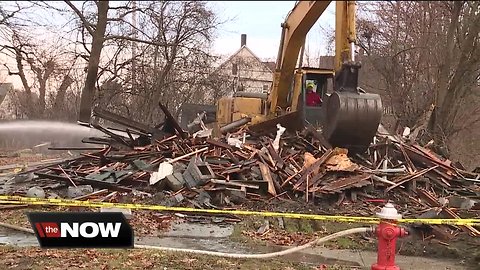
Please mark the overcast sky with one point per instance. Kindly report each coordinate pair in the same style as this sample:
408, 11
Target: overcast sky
261, 20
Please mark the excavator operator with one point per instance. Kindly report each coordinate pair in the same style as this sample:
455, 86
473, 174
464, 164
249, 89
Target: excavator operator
313, 99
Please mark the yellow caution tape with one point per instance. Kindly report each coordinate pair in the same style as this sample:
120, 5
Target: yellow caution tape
92, 204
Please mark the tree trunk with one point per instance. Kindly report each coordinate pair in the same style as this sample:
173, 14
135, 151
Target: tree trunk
444, 77
28, 110
41, 98
88, 92
62, 90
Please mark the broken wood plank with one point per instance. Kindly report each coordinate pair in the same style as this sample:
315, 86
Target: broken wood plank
380, 179
410, 166
95, 193
339, 185
410, 177
289, 179
108, 197
219, 144
113, 117
433, 202
313, 181
310, 169
187, 155
317, 135
279, 161
48, 165
114, 136
66, 175
233, 183
232, 156
171, 121
85, 180
427, 161
267, 177
73, 148
166, 139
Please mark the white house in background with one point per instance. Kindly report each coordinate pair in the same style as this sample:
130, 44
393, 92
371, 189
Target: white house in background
244, 71
6, 90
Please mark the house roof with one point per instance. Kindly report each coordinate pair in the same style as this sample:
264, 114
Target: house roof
244, 47
270, 65
5, 88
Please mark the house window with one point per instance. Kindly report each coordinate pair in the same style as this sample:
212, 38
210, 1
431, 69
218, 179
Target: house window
265, 87
234, 69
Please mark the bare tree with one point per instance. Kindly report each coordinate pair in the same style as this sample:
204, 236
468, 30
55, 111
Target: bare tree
42, 64
170, 37
426, 53
39, 68
97, 31
170, 58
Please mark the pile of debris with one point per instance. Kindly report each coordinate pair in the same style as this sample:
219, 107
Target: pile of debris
206, 172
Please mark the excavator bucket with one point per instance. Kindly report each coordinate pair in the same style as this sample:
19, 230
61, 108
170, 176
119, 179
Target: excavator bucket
352, 119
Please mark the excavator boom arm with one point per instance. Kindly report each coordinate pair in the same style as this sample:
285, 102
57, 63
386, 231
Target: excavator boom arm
345, 33
294, 31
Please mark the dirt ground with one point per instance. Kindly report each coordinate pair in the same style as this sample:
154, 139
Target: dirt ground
284, 232
462, 248
35, 258
143, 223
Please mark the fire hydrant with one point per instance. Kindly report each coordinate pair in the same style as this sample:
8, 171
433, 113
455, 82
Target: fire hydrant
387, 232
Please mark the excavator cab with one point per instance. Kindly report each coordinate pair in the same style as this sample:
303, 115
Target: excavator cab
348, 116
322, 81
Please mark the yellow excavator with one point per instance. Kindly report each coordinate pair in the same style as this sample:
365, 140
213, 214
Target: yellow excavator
348, 116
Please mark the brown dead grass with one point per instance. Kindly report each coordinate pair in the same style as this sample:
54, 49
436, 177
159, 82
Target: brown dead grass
56, 259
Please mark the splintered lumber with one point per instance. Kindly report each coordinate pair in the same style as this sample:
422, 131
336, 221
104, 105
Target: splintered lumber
310, 169
189, 154
95, 193
170, 121
232, 183
432, 201
72, 148
275, 156
267, 177
304, 166
218, 143
380, 179
113, 117
339, 185
410, 177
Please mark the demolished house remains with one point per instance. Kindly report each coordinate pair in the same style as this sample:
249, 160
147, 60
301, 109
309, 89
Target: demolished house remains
225, 171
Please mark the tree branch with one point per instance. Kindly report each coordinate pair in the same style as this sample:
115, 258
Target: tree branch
87, 25
119, 37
